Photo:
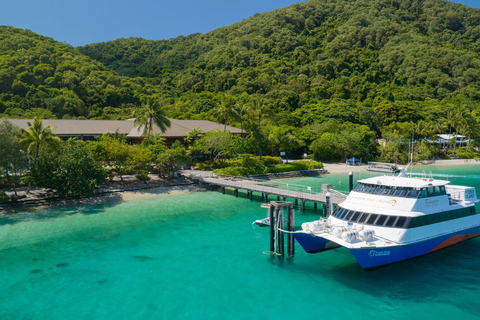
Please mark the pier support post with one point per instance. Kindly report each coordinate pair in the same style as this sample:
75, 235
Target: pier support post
263, 196
350, 181
280, 236
223, 190
296, 202
276, 214
266, 197
278, 198
328, 204
291, 228
235, 192
324, 206
271, 216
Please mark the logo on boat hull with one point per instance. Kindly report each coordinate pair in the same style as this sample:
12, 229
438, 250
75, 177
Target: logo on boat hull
374, 253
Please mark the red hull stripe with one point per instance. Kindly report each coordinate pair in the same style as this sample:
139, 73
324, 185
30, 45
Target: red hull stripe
454, 240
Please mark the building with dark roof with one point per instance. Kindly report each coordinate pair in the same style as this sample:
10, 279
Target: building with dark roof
88, 129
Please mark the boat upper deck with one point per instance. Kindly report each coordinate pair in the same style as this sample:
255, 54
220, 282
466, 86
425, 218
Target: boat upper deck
404, 181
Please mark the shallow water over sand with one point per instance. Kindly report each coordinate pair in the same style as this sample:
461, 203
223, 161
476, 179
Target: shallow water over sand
196, 256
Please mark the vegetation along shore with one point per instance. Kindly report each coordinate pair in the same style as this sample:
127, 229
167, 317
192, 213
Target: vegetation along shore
320, 81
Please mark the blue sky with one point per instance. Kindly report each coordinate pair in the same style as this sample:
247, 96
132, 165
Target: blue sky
80, 22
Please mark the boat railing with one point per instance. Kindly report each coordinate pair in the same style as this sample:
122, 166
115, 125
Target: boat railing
456, 196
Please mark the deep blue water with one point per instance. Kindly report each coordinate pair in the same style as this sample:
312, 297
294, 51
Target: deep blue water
197, 256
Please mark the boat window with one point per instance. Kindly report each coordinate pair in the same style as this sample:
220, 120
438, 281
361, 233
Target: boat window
412, 193
390, 221
381, 220
392, 190
355, 216
342, 213
423, 193
400, 222
442, 190
372, 218
348, 215
398, 191
363, 218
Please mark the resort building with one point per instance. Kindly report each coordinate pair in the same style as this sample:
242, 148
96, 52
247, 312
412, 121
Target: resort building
89, 129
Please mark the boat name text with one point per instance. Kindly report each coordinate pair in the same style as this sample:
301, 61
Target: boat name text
374, 253
393, 203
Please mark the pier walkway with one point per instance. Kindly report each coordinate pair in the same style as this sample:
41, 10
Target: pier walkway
273, 188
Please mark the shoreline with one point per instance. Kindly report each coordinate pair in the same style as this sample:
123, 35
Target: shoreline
334, 168
135, 190
114, 192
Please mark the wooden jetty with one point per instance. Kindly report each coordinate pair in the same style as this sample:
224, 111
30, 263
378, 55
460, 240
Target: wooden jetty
281, 190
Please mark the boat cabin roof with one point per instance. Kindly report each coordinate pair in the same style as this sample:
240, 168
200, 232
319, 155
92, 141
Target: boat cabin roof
405, 182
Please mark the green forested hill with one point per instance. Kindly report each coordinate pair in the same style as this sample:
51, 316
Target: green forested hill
323, 58
370, 62
40, 76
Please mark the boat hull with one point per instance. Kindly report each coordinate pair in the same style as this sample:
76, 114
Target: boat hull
376, 257
313, 244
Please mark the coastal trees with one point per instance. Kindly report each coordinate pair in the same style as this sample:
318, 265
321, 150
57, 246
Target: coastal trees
151, 113
70, 171
13, 160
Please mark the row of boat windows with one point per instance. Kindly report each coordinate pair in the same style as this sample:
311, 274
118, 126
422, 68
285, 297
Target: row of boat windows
405, 192
398, 221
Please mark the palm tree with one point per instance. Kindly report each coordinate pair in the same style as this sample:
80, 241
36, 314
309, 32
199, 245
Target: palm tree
193, 135
244, 114
36, 135
225, 111
259, 110
149, 114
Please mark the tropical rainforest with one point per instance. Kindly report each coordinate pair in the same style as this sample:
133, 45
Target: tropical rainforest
320, 73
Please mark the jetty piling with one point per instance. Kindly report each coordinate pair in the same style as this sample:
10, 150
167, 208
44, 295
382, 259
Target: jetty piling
350, 181
277, 211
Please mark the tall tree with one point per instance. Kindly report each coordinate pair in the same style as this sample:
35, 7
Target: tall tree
37, 135
12, 158
151, 113
225, 111
244, 112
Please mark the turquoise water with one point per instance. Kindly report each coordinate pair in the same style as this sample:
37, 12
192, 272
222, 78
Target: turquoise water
196, 256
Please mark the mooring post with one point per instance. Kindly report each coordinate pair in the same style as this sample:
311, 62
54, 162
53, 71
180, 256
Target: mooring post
271, 216
291, 228
328, 204
280, 236
350, 181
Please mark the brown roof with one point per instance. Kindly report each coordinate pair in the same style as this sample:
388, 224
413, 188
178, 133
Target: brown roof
178, 128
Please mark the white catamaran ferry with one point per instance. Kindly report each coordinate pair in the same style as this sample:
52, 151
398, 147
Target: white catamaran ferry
388, 219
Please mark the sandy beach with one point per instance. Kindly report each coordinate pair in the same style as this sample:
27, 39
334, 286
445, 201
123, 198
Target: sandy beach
343, 168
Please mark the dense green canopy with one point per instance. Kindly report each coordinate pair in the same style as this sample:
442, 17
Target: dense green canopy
367, 62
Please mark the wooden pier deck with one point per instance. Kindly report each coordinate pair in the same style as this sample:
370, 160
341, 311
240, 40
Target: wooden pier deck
280, 189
